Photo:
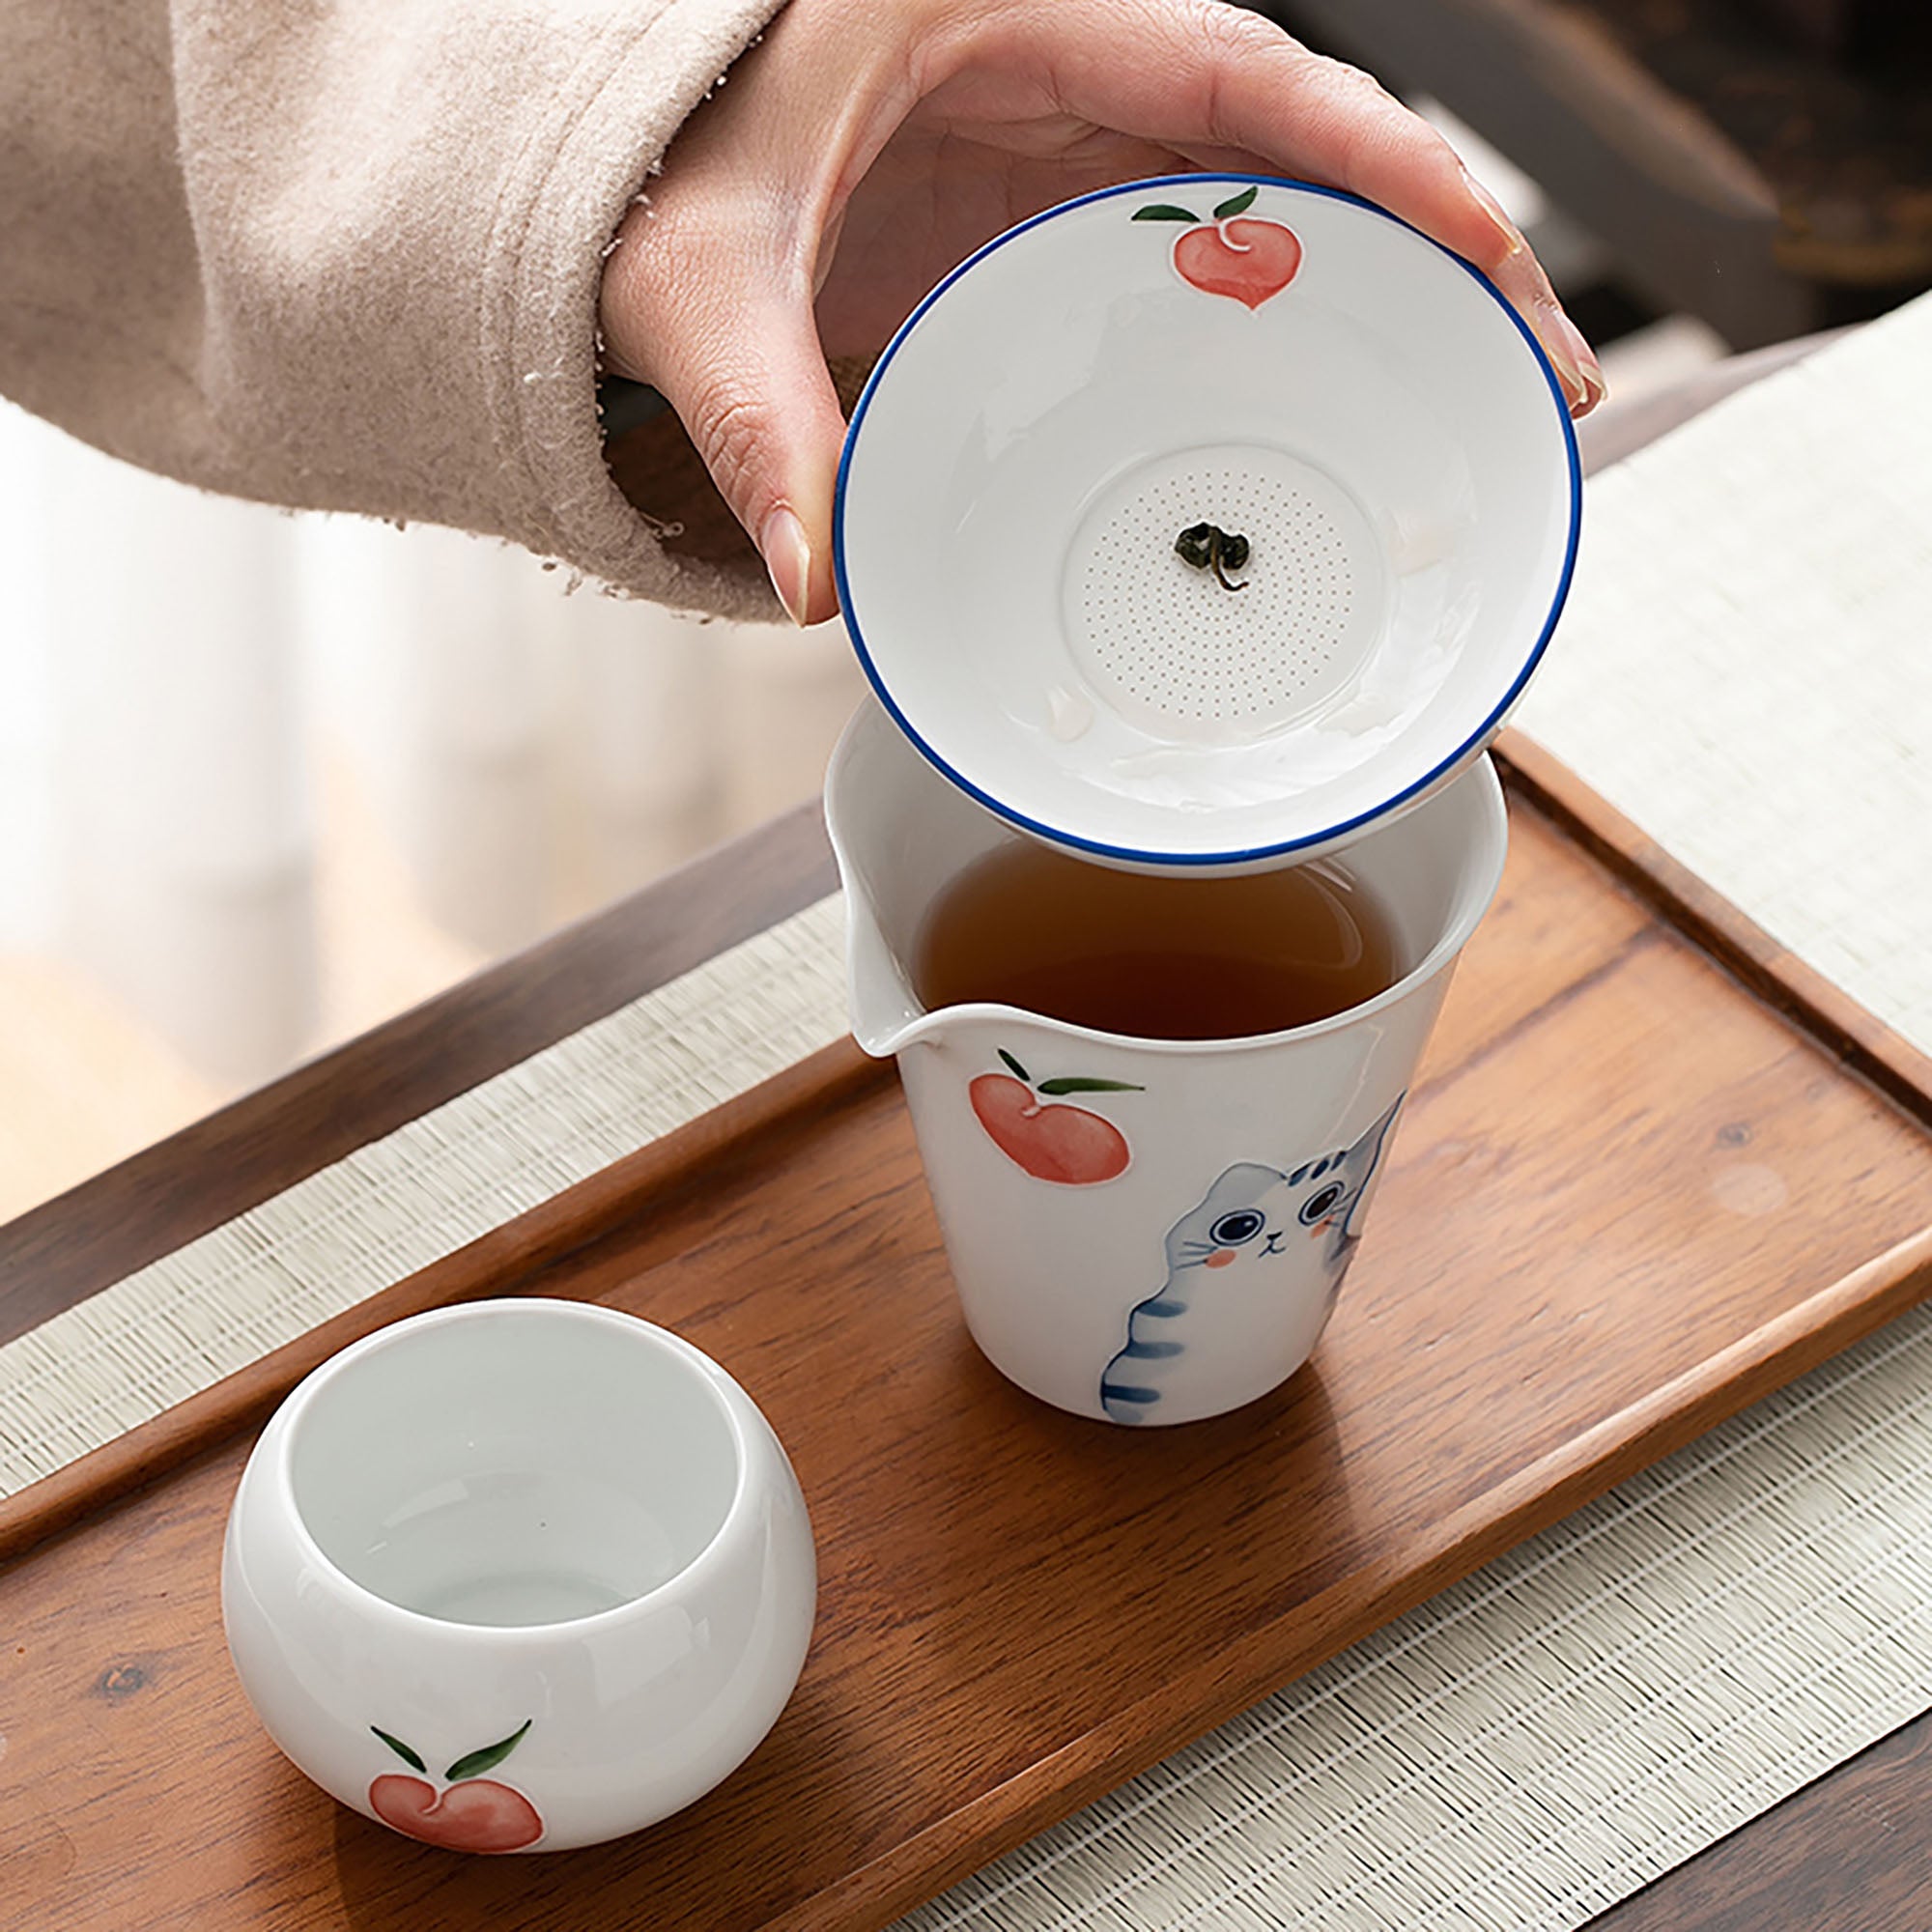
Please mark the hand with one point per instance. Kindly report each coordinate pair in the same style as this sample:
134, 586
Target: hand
865, 148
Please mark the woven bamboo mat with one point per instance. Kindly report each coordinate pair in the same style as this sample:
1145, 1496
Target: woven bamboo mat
182, 1323
1742, 672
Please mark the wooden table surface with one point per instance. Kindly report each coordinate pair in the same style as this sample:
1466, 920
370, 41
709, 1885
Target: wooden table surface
1852, 1851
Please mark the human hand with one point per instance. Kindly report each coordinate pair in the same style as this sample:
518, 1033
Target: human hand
865, 148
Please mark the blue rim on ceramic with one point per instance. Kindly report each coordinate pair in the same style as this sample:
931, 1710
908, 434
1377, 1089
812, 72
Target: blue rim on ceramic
1327, 836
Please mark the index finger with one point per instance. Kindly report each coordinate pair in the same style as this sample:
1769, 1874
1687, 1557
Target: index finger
1215, 82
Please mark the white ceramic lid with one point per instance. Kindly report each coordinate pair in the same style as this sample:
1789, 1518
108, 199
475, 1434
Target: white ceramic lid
1049, 483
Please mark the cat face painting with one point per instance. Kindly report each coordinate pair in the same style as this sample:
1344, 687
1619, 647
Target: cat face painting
1232, 1263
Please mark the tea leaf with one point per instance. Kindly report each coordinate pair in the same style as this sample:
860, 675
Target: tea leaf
1071, 1085
1195, 545
1165, 210
401, 1750
1014, 1064
486, 1759
1237, 204
1223, 553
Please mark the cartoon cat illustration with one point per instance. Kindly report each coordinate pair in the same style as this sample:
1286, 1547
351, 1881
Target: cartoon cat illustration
1231, 1264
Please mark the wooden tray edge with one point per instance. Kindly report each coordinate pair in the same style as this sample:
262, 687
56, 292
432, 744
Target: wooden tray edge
493, 1264
1534, 1499
1831, 1016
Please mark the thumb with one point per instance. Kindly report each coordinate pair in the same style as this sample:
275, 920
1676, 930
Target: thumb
758, 404
736, 353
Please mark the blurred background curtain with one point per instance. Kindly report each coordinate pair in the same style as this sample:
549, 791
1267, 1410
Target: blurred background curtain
266, 780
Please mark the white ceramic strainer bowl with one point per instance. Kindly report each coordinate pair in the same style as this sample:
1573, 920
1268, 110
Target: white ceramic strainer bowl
1286, 364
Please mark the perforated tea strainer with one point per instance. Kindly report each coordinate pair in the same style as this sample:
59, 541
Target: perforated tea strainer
1205, 521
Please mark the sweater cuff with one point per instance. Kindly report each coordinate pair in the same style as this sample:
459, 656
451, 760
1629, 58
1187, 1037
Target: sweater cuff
539, 313
401, 215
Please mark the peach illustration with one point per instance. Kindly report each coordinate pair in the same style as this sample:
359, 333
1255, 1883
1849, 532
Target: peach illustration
1245, 257
1050, 1140
470, 1812
1249, 260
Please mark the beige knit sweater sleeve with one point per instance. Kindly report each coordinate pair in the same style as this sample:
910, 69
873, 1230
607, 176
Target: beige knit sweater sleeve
344, 254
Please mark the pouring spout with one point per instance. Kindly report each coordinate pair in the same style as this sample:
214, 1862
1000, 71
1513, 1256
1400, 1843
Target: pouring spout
899, 833
886, 1013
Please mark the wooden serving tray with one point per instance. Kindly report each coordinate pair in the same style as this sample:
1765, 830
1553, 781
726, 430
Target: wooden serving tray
1634, 1189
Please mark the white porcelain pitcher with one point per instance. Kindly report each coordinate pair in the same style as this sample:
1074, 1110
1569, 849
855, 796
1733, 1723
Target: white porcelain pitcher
1169, 1244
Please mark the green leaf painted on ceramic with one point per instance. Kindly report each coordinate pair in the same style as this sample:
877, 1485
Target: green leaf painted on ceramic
1014, 1064
1165, 210
486, 1759
401, 1750
1236, 204
1073, 1086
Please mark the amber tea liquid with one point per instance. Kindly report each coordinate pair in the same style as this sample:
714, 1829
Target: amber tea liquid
1158, 958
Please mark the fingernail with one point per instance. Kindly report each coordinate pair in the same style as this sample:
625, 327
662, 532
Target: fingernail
1574, 359
1512, 234
789, 557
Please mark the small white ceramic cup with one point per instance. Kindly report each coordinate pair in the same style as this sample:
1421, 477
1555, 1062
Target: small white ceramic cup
1144, 1230
518, 1575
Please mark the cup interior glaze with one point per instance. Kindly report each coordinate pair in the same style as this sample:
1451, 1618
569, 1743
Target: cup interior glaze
514, 1464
